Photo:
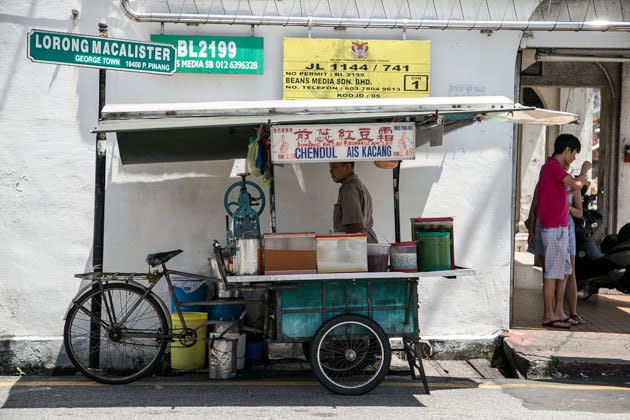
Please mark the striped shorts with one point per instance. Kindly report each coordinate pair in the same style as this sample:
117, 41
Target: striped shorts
538, 248
556, 250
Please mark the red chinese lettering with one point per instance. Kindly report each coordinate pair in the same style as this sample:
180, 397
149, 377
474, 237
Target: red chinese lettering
323, 136
346, 137
303, 136
385, 135
364, 132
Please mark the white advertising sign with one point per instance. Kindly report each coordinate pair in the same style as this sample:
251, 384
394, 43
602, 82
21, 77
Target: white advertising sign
342, 142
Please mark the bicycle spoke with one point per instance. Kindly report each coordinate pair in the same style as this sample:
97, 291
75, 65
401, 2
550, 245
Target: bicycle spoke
93, 317
126, 348
351, 356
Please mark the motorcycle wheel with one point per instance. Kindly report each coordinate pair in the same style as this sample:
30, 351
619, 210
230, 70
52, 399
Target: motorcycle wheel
623, 284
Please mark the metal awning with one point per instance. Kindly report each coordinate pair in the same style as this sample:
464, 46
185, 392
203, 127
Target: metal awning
172, 132
479, 15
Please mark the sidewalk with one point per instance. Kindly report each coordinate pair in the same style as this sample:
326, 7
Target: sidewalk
600, 347
434, 369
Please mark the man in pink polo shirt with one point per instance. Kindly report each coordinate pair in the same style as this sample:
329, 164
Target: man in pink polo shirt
554, 220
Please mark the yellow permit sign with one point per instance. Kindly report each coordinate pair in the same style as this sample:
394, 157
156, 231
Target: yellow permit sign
355, 68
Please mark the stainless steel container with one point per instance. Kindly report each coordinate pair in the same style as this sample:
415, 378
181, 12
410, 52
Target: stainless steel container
222, 358
214, 267
248, 258
229, 326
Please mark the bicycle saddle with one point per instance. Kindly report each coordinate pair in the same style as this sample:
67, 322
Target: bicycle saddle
161, 257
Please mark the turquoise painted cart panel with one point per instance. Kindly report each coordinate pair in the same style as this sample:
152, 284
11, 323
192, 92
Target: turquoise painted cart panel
302, 309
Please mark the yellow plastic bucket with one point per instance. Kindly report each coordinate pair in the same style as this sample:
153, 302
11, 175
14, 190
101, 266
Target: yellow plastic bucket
193, 357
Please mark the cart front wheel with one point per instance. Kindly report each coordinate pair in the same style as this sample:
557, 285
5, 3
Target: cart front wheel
350, 354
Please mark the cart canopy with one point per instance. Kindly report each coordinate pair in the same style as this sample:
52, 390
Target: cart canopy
174, 132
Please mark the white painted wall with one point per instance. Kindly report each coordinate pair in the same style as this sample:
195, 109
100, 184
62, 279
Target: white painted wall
623, 209
47, 161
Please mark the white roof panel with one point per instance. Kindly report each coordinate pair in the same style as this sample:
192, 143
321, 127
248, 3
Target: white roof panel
132, 117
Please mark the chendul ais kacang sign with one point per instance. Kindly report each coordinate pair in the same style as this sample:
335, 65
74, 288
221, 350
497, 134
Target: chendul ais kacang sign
99, 52
216, 54
342, 142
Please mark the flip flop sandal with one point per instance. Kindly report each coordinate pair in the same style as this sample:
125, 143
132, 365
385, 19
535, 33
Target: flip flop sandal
558, 323
571, 321
577, 319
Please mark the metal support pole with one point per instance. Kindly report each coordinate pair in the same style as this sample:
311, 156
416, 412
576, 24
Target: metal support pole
272, 199
272, 184
396, 181
99, 212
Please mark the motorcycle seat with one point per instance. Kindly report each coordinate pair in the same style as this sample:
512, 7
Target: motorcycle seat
616, 242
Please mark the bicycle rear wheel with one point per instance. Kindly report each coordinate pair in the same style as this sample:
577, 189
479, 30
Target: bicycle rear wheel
109, 340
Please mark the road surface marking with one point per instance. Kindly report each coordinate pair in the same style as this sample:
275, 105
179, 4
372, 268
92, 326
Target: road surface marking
17, 382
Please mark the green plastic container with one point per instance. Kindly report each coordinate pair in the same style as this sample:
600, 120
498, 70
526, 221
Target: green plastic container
434, 251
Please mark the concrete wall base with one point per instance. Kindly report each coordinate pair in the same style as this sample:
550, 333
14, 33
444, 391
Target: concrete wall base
46, 355
33, 356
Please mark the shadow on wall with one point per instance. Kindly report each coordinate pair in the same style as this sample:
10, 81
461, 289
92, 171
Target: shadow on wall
306, 195
25, 23
152, 208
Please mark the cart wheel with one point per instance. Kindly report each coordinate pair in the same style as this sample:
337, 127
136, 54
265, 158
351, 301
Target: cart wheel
350, 354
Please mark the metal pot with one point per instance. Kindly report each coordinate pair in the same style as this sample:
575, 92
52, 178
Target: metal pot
248, 258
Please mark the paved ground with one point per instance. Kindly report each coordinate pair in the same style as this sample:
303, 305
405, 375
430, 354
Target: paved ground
605, 313
602, 346
193, 396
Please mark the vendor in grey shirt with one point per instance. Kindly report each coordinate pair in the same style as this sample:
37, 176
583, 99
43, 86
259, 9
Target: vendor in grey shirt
353, 211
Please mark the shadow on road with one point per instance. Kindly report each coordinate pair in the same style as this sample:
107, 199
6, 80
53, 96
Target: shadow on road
195, 391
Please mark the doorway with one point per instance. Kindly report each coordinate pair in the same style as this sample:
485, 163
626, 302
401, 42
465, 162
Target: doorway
590, 90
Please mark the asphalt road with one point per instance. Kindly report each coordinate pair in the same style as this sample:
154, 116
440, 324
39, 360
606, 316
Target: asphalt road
193, 396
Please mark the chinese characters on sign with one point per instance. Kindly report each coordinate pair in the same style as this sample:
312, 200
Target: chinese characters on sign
343, 142
346, 68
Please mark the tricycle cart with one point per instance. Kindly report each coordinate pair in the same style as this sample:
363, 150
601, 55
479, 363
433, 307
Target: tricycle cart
117, 329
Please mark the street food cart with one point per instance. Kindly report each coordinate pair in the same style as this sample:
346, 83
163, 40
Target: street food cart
345, 320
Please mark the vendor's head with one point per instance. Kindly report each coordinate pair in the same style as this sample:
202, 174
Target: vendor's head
565, 148
340, 171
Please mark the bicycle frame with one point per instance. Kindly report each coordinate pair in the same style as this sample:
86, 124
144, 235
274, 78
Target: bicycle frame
98, 279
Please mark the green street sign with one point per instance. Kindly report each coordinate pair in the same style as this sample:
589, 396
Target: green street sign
98, 52
216, 54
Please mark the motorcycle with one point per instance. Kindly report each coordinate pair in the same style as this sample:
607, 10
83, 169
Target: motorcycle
606, 266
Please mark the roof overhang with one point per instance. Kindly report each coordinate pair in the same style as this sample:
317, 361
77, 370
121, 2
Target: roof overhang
220, 130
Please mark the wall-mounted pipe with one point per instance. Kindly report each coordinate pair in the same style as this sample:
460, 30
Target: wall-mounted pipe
581, 58
369, 23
